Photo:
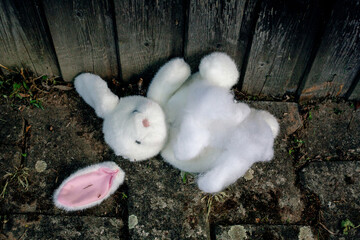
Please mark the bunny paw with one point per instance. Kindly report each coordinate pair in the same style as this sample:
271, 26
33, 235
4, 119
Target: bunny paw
209, 183
177, 69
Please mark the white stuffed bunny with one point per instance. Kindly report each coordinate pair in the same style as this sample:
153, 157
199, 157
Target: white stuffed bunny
192, 120
209, 133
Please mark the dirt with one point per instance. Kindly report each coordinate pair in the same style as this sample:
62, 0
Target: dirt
283, 199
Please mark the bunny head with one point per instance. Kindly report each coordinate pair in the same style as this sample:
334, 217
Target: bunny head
136, 129
134, 126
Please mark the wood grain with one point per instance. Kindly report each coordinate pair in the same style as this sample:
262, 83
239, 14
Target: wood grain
281, 46
83, 36
214, 25
24, 42
355, 95
149, 33
338, 58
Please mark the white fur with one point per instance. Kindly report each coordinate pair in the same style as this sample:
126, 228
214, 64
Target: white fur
273, 123
209, 133
168, 79
117, 181
219, 69
205, 131
96, 93
123, 127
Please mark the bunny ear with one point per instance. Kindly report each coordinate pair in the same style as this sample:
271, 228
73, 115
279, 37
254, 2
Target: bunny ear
96, 93
88, 186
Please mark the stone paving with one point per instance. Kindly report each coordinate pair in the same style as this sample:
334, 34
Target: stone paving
305, 192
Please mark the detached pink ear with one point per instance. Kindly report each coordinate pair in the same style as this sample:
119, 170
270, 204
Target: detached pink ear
89, 186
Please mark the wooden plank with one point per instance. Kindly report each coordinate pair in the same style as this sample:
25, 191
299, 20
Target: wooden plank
23, 38
149, 33
83, 36
338, 58
355, 95
281, 46
214, 25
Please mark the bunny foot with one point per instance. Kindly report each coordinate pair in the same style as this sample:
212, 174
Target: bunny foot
219, 69
230, 169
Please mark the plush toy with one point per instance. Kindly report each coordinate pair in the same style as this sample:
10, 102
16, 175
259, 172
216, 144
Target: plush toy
191, 119
209, 133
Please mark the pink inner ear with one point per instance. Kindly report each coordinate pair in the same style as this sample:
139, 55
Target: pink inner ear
88, 188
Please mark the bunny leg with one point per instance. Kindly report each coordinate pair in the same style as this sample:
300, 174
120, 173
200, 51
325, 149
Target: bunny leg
211, 103
192, 138
168, 79
227, 172
219, 69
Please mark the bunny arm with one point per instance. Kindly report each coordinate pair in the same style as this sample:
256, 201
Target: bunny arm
168, 80
96, 93
192, 138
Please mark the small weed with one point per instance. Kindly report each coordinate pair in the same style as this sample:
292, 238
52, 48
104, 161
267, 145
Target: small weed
291, 151
337, 111
17, 86
310, 116
124, 196
219, 197
347, 225
24, 86
36, 103
20, 176
184, 176
298, 143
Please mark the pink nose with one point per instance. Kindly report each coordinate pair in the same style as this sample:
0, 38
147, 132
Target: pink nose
146, 123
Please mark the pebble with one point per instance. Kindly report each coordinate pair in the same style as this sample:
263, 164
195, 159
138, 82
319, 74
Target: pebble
249, 175
40, 166
133, 221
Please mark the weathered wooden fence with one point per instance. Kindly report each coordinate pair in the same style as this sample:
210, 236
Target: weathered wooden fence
305, 48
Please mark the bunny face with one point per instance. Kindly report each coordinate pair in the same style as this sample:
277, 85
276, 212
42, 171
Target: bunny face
136, 128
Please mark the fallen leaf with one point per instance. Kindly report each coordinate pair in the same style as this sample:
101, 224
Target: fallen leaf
27, 128
24, 95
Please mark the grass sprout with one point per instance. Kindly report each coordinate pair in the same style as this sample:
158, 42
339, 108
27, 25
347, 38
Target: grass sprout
26, 87
347, 225
19, 176
209, 199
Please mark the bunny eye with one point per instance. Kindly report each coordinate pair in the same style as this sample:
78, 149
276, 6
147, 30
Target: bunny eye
135, 111
138, 142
